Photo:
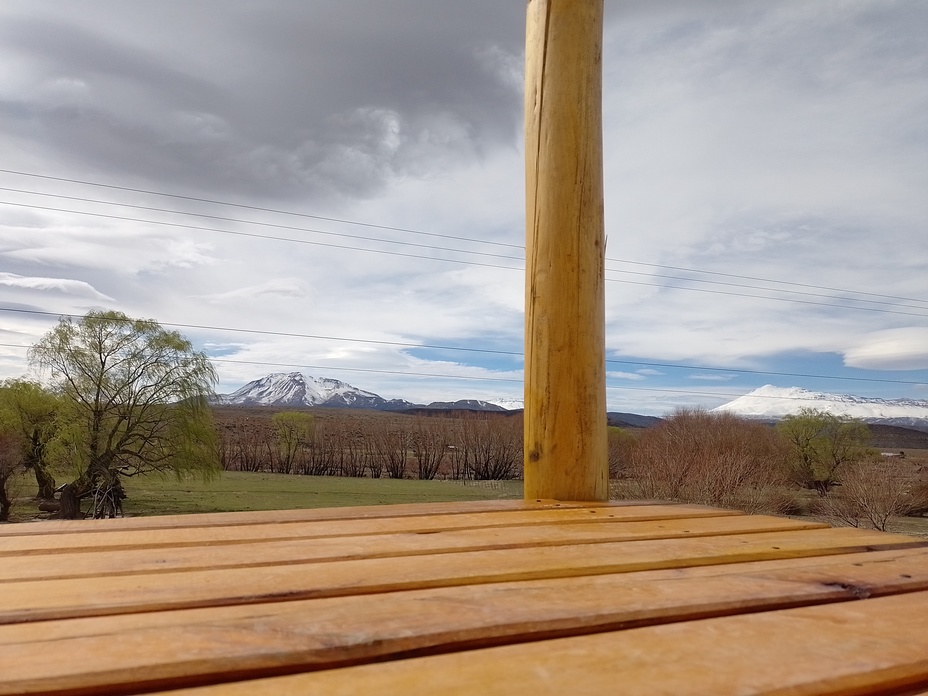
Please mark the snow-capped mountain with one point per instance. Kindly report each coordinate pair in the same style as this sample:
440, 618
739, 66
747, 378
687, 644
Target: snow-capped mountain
294, 389
776, 402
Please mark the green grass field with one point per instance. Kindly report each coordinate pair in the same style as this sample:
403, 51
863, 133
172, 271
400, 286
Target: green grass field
235, 491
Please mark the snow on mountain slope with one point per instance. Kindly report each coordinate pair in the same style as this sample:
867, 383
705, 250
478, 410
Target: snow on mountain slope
775, 402
296, 389
508, 403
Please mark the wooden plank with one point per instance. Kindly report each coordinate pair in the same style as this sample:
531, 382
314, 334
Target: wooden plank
50, 599
565, 368
88, 540
173, 648
257, 517
55, 629
877, 646
127, 561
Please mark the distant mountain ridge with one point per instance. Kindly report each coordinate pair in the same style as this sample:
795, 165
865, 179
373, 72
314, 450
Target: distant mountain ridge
773, 403
296, 390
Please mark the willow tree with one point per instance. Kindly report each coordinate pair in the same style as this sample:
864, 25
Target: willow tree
823, 443
31, 412
134, 400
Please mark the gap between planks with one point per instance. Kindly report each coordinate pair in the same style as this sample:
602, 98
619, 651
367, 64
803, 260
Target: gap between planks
175, 648
50, 599
91, 540
129, 561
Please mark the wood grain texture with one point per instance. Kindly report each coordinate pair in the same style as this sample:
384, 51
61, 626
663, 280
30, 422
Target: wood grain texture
128, 560
878, 646
102, 595
173, 648
74, 541
199, 603
275, 517
565, 377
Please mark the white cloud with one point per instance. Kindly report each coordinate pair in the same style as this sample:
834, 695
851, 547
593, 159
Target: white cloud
784, 141
62, 285
631, 376
892, 349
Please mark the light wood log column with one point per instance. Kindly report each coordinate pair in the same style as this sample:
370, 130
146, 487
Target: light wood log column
565, 380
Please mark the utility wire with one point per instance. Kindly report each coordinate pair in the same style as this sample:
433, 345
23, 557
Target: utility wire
756, 287
399, 229
269, 237
254, 207
294, 228
475, 263
776, 299
414, 244
486, 351
766, 280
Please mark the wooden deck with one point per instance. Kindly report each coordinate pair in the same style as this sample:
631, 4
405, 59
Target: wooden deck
468, 598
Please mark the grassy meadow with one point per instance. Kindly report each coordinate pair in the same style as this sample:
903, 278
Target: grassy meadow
235, 491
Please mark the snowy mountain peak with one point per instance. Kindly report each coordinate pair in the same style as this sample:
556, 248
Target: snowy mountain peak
295, 390
776, 402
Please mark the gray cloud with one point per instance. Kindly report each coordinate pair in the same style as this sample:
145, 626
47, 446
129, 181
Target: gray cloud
778, 140
280, 99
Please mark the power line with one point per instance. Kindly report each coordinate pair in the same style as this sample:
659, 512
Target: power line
244, 222
280, 239
485, 351
756, 287
764, 280
775, 299
469, 263
402, 229
254, 207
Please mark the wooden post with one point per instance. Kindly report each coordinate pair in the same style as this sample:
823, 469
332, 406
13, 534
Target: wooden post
565, 380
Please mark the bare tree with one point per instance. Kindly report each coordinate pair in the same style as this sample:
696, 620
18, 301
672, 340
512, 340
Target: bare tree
392, 446
294, 429
319, 455
429, 444
494, 447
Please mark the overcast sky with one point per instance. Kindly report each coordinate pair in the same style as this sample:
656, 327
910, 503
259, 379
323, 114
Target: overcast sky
336, 187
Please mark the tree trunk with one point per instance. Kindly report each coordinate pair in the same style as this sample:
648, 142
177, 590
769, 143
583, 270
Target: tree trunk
46, 484
70, 504
5, 502
44, 480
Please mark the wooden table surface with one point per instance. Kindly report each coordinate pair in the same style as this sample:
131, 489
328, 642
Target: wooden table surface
475, 598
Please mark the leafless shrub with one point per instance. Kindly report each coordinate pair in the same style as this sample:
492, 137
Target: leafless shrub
713, 459
621, 447
245, 446
872, 492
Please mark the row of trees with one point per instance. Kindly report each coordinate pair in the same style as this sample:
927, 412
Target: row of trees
294, 442
129, 397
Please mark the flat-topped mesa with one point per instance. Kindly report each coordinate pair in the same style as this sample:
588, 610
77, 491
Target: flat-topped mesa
565, 380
